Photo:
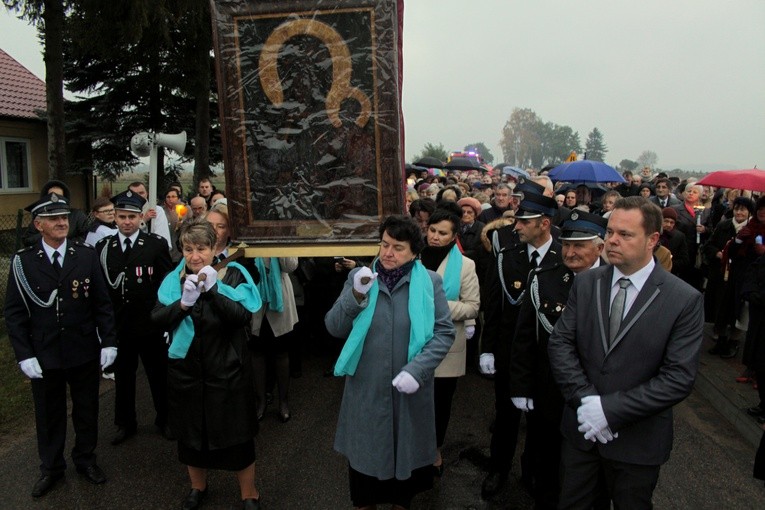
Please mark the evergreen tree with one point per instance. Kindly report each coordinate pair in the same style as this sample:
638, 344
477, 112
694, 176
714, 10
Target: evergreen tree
595, 147
139, 66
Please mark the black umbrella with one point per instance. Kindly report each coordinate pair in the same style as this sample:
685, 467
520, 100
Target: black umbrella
429, 162
463, 164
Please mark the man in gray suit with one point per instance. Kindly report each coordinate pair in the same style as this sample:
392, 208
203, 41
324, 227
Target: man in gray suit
664, 197
624, 351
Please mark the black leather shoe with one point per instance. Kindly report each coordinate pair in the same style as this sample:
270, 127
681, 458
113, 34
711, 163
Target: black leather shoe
492, 484
194, 499
251, 504
45, 483
122, 435
93, 474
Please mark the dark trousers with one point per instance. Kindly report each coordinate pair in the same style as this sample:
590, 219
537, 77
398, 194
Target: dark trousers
630, 486
543, 442
152, 349
443, 392
505, 435
49, 394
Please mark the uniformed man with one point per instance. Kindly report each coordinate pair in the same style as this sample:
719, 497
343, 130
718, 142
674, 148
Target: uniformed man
57, 307
506, 281
531, 383
135, 263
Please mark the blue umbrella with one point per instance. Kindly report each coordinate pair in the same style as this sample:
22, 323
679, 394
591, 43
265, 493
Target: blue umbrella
585, 171
515, 172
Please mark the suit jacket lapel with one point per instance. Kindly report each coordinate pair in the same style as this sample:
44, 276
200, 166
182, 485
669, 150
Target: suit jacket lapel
603, 301
647, 295
70, 262
45, 265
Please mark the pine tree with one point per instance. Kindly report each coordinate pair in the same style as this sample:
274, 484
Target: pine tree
595, 147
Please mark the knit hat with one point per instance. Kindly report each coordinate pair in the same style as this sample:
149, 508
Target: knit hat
669, 212
472, 202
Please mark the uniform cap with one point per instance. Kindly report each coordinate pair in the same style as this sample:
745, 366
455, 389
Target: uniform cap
129, 201
534, 206
581, 226
49, 205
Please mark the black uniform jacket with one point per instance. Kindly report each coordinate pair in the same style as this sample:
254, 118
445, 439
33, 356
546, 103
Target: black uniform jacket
210, 392
505, 290
530, 374
144, 269
61, 331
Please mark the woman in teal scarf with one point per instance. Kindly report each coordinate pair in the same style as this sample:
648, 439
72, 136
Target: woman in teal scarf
443, 256
398, 328
211, 399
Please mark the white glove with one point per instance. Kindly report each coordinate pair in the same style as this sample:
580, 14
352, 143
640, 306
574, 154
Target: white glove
364, 272
108, 355
31, 368
591, 417
605, 436
211, 276
191, 291
486, 363
523, 403
469, 332
405, 383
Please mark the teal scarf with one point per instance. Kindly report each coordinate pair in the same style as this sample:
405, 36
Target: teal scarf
270, 285
421, 318
452, 274
170, 292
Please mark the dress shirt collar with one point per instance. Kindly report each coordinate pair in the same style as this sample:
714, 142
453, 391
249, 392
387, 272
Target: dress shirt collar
61, 250
542, 250
132, 238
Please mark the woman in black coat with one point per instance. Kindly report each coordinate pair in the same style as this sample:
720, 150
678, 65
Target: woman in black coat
210, 385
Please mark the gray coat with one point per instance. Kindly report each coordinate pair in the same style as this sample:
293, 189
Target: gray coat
382, 432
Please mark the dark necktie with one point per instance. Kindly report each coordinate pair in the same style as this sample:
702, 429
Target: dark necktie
617, 309
128, 246
533, 259
56, 262
663, 204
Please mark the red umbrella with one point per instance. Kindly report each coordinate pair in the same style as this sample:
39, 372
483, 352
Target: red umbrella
752, 179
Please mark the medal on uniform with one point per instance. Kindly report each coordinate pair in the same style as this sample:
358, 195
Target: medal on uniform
75, 284
150, 270
86, 286
517, 285
139, 273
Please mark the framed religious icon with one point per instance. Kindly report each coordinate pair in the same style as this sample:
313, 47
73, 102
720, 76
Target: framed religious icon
309, 96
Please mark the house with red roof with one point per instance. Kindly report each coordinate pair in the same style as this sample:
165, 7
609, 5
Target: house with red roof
24, 141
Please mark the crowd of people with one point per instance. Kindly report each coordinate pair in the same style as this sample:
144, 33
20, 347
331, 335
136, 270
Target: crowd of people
549, 289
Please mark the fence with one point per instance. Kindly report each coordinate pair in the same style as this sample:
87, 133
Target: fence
11, 227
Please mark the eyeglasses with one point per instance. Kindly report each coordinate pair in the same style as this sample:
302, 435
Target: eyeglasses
105, 211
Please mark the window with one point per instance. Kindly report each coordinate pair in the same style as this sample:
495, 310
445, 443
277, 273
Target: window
14, 164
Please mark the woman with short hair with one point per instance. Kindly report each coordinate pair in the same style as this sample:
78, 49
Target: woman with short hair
211, 401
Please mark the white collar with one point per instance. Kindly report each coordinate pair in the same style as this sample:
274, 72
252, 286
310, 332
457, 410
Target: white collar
61, 251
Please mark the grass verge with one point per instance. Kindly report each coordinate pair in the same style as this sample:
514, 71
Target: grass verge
16, 408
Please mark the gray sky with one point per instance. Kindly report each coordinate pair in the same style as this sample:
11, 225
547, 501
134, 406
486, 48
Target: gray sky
683, 78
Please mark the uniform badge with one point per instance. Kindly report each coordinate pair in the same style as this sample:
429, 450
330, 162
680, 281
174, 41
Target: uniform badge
139, 273
128, 193
517, 285
75, 285
558, 308
54, 198
574, 216
566, 278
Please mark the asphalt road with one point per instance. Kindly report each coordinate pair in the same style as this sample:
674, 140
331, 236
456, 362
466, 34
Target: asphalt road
710, 467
